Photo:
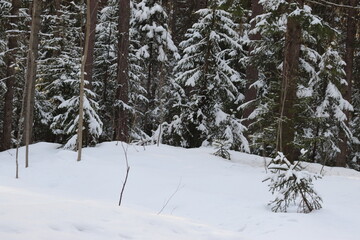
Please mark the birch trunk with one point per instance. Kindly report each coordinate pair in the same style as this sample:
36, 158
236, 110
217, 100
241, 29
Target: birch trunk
30, 78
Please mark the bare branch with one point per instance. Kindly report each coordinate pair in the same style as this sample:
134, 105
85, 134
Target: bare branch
127, 172
331, 4
172, 195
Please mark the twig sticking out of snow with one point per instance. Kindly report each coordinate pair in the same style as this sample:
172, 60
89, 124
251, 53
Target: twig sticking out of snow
172, 195
126, 175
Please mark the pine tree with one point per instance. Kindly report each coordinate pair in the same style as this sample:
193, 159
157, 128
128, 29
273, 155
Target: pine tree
67, 86
320, 63
211, 86
155, 53
292, 185
105, 65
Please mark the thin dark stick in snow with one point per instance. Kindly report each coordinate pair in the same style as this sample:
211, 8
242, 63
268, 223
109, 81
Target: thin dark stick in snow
127, 172
172, 195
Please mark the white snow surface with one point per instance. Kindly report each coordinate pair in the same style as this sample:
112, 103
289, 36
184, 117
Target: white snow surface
199, 197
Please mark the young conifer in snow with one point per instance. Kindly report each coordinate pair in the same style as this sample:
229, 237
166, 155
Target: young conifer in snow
210, 85
291, 185
222, 148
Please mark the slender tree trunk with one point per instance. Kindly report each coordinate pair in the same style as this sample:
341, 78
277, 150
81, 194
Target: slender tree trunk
30, 78
252, 73
349, 59
10, 61
121, 113
286, 130
84, 60
93, 6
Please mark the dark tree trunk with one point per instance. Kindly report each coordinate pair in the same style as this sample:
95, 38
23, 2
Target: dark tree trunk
30, 78
286, 126
121, 113
10, 61
349, 59
93, 6
252, 73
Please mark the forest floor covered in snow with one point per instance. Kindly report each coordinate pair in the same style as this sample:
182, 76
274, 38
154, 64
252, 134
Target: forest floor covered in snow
171, 194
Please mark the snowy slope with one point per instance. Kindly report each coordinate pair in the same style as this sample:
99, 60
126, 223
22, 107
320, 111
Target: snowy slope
198, 195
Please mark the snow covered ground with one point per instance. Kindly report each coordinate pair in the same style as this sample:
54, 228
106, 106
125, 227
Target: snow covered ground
172, 193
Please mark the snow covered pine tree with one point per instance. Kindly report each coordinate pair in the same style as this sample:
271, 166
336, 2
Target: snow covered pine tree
292, 184
209, 84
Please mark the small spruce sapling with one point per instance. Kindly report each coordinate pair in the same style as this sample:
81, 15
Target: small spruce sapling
292, 185
222, 148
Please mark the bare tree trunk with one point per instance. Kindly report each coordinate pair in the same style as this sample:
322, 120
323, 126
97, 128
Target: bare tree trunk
121, 113
93, 5
10, 77
30, 78
286, 131
90, 56
252, 73
82, 78
349, 59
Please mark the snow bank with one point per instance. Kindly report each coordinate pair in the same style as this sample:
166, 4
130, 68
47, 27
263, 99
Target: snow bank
198, 195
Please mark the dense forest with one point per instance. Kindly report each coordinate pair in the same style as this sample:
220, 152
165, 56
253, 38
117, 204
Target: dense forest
259, 76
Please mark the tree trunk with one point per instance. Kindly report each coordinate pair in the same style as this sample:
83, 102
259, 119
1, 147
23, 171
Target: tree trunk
286, 131
349, 59
30, 78
91, 7
10, 61
252, 73
121, 113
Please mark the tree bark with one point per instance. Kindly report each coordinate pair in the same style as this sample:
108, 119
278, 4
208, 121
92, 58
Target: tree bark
30, 78
10, 61
93, 6
252, 73
121, 113
286, 130
349, 59
88, 50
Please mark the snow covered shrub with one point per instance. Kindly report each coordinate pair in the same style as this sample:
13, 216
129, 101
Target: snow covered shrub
222, 148
292, 185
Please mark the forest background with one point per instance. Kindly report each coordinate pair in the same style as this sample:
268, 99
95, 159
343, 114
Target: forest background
258, 76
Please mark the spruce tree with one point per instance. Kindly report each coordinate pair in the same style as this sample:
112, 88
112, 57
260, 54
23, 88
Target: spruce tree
292, 186
209, 85
154, 54
66, 87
